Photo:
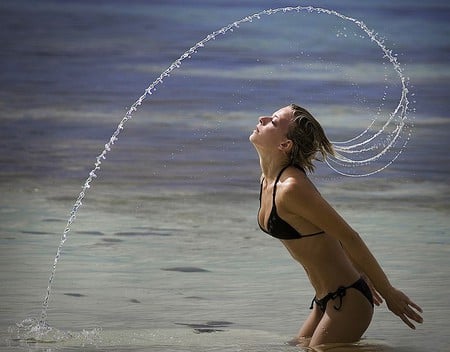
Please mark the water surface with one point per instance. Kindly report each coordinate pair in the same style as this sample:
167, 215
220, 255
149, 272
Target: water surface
165, 254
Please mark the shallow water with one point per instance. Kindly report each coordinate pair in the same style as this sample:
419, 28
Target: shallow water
165, 254
136, 274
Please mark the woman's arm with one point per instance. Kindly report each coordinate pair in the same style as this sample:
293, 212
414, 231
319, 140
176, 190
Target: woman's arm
377, 299
396, 300
301, 197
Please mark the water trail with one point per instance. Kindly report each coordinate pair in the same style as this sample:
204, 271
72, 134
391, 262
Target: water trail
343, 148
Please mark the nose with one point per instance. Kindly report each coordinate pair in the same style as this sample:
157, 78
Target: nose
263, 120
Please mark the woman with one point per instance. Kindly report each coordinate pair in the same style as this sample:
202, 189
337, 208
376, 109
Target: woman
334, 256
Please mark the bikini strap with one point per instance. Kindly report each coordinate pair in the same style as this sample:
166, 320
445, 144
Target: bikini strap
314, 234
260, 192
340, 293
278, 179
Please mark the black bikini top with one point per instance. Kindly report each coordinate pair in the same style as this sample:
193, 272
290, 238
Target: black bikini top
276, 226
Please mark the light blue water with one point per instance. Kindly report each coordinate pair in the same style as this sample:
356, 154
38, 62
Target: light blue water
180, 188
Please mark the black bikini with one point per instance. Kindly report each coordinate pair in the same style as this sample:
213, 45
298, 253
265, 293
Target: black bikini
278, 228
359, 285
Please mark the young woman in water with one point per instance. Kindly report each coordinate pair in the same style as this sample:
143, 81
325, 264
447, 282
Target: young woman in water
339, 265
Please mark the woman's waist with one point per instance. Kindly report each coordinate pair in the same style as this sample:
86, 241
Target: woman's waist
328, 277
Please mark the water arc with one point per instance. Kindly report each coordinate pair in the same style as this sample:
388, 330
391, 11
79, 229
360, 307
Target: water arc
364, 142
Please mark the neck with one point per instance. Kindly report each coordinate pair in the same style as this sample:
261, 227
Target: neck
271, 164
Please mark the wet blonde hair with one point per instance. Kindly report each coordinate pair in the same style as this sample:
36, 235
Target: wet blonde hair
309, 140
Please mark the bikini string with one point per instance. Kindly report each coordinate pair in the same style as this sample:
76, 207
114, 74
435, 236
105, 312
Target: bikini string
339, 293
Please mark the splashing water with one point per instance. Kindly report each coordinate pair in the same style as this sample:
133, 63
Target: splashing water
372, 148
31, 331
362, 150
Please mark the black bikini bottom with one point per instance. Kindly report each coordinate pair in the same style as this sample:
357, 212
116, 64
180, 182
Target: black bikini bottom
359, 285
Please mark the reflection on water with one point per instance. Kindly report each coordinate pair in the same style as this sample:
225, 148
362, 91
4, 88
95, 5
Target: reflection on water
199, 337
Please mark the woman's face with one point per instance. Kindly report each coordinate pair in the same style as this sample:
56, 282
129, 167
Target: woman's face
271, 131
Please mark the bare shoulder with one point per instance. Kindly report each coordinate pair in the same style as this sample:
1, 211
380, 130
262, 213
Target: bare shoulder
298, 196
295, 183
295, 191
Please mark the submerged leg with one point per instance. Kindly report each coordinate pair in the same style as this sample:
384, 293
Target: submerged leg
307, 329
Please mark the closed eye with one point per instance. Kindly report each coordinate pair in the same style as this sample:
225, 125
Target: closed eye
274, 116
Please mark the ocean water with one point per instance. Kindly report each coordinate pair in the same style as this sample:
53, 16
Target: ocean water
165, 253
